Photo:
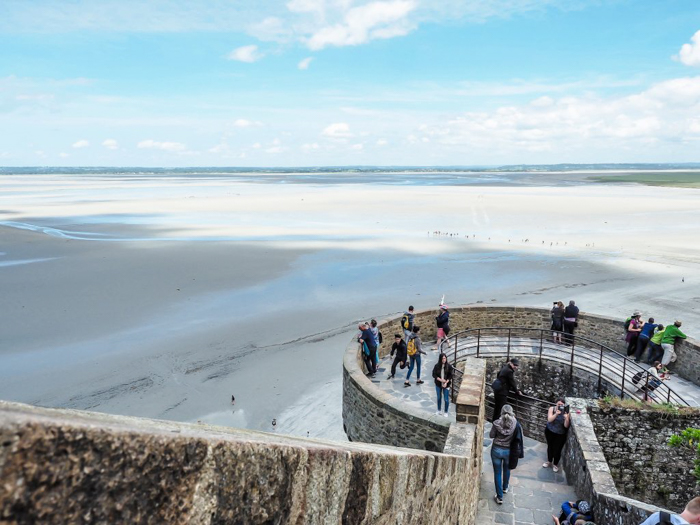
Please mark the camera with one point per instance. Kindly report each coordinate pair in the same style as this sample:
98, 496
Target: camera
564, 408
554, 303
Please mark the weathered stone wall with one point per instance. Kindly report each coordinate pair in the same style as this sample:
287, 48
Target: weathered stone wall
587, 468
546, 380
371, 415
63, 466
599, 328
642, 464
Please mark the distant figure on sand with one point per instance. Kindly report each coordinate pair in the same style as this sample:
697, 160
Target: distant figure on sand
399, 348
442, 373
233, 399
443, 325
570, 322
414, 351
557, 321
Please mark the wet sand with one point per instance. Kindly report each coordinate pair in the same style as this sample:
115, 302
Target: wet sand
254, 290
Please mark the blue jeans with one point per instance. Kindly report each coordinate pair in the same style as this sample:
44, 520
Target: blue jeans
443, 392
499, 458
414, 359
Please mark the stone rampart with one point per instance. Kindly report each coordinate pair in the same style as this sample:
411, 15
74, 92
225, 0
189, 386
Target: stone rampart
63, 466
587, 468
606, 330
643, 466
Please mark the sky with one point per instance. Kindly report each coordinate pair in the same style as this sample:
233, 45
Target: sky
348, 82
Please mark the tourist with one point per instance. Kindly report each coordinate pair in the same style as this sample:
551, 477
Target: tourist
671, 334
691, 514
655, 350
442, 373
558, 421
557, 321
644, 338
570, 322
653, 379
414, 349
369, 351
407, 322
574, 513
633, 326
398, 348
502, 432
443, 325
377, 339
506, 376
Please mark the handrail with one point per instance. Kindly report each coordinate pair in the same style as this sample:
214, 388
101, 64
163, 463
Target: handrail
583, 353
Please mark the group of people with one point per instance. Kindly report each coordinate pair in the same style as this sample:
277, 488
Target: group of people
407, 350
659, 339
564, 322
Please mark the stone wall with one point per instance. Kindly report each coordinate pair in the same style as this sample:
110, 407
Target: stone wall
371, 415
63, 466
606, 330
641, 463
586, 466
545, 380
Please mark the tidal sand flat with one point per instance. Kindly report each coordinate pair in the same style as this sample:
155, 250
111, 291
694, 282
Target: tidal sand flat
162, 296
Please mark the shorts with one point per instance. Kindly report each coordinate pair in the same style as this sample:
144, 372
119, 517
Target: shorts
441, 333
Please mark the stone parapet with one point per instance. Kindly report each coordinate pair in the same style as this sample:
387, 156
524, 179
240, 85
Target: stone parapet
587, 468
64, 466
470, 407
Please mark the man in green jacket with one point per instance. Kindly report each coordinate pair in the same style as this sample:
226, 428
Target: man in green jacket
671, 333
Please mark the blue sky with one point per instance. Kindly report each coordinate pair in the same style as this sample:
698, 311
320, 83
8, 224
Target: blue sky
348, 82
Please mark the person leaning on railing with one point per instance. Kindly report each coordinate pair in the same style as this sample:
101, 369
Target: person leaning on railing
506, 377
558, 421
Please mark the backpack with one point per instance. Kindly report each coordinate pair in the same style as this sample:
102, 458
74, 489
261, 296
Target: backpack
379, 336
497, 386
665, 518
405, 322
627, 324
411, 347
638, 377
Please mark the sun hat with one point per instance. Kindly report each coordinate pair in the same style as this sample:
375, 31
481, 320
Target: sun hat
443, 307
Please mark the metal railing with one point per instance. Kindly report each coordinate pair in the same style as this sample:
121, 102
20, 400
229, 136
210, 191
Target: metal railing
615, 374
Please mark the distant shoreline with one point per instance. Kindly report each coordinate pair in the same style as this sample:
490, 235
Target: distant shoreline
676, 179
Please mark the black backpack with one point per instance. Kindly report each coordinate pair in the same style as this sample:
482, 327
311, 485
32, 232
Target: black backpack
665, 518
497, 386
636, 378
627, 324
405, 322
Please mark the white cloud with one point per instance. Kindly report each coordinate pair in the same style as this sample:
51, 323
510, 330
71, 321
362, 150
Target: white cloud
257, 145
382, 142
690, 53
357, 147
63, 155
337, 130
383, 19
304, 64
310, 147
81, 144
247, 54
219, 148
110, 144
165, 146
244, 123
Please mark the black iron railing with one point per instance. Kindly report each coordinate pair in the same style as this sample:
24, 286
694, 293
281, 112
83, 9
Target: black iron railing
614, 372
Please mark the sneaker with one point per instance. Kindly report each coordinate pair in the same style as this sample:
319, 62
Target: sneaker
498, 500
438, 412
446, 414
555, 468
420, 382
546, 464
505, 490
406, 383
390, 377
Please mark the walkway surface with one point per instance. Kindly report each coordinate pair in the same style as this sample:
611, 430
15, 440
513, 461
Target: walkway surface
535, 493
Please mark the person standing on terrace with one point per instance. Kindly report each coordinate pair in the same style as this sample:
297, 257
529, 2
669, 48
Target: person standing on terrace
407, 322
644, 338
369, 350
671, 334
442, 373
443, 325
570, 322
414, 350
